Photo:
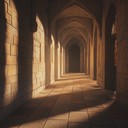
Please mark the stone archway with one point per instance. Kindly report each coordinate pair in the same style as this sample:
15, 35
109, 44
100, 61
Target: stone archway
110, 67
74, 56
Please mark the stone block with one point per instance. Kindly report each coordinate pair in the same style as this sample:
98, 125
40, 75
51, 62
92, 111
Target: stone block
12, 70
13, 79
35, 68
7, 90
15, 40
9, 37
8, 48
14, 50
15, 20
10, 10
78, 117
9, 18
56, 124
11, 59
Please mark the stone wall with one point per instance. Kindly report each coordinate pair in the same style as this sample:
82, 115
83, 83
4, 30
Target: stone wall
122, 48
28, 60
106, 5
122, 72
23, 54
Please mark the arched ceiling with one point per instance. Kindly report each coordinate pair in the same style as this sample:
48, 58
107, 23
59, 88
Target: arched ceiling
73, 33
74, 23
74, 10
72, 20
74, 40
77, 37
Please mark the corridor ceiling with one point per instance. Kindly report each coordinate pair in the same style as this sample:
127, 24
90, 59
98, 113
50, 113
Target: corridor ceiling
72, 19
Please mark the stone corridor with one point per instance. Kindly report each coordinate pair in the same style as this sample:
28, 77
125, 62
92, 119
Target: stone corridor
73, 101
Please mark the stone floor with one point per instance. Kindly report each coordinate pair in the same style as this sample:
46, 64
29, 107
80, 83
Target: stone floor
74, 101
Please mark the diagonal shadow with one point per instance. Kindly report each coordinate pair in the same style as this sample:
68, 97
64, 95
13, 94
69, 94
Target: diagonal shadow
50, 104
42, 107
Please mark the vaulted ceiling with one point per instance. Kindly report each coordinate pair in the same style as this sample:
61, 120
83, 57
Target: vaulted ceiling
69, 19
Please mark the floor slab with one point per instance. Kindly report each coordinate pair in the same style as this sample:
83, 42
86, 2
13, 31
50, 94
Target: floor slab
73, 101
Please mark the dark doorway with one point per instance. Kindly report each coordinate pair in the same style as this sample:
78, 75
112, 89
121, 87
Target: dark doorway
110, 67
74, 58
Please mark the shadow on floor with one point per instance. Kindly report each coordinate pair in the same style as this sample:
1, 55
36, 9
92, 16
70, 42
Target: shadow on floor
65, 106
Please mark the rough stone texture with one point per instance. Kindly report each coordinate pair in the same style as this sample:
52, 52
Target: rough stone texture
24, 69
122, 53
80, 104
30, 59
122, 73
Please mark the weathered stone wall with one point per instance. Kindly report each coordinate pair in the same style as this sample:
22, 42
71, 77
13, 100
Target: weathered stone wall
101, 75
39, 58
122, 48
28, 60
23, 54
9, 75
122, 72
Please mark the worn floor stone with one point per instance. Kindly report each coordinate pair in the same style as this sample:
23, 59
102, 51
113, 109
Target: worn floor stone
78, 117
56, 124
78, 125
74, 101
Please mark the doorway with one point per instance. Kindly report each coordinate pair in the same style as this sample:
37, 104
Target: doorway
110, 42
74, 58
